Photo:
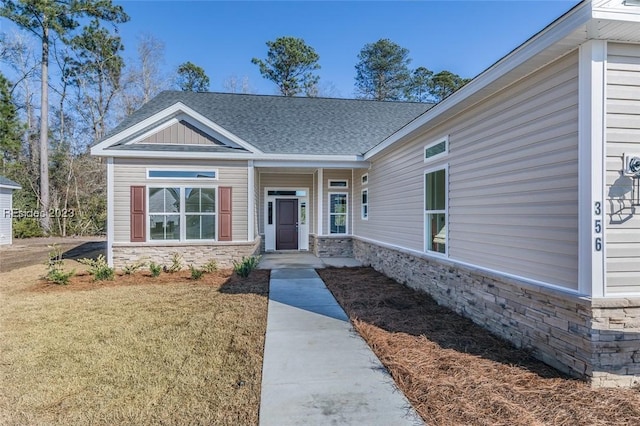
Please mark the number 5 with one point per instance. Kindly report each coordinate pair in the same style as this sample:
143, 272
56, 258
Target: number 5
598, 226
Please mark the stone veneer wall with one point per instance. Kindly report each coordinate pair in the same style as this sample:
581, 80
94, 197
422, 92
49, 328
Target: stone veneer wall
616, 342
193, 254
599, 340
332, 246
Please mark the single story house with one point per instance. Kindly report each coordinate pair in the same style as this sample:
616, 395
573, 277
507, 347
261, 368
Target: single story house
7, 186
515, 201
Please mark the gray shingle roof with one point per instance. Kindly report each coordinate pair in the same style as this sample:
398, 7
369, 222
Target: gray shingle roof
8, 182
292, 125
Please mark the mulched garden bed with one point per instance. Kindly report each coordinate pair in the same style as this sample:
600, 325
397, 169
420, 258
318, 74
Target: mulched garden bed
83, 281
456, 373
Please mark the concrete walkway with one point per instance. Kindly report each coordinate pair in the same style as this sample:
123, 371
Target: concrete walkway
317, 370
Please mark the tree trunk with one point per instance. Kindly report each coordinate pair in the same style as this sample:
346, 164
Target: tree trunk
45, 221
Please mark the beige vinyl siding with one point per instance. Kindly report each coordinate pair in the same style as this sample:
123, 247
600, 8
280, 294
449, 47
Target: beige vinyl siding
623, 136
128, 172
285, 180
336, 174
513, 181
181, 133
396, 197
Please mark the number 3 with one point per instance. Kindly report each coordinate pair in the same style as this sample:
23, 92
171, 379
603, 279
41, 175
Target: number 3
598, 209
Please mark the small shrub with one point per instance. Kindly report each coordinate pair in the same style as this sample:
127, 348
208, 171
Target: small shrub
26, 228
176, 263
55, 271
130, 269
155, 269
247, 265
99, 268
211, 266
196, 273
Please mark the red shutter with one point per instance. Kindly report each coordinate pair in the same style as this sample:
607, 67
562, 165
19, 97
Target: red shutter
138, 213
224, 213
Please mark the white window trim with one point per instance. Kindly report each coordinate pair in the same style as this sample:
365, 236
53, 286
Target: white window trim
444, 139
364, 179
346, 214
173, 169
332, 181
183, 214
444, 167
362, 205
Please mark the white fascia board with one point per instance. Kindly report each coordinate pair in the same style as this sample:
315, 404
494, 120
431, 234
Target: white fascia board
260, 160
14, 187
554, 33
315, 163
174, 109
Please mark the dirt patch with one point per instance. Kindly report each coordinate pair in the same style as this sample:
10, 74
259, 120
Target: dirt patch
34, 251
455, 372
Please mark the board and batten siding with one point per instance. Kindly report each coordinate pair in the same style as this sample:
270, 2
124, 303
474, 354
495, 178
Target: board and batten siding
128, 172
513, 181
287, 180
623, 136
181, 133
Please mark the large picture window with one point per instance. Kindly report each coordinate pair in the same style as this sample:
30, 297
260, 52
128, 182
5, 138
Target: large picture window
338, 213
182, 213
435, 211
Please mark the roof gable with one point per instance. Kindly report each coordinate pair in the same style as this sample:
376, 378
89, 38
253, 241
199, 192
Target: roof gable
180, 132
175, 127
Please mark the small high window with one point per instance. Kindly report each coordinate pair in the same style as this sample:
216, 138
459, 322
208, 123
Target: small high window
436, 149
338, 183
365, 178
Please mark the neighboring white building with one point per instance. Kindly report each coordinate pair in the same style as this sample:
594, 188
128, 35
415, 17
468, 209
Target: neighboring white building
7, 187
513, 201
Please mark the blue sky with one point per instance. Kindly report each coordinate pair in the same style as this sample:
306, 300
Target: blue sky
464, 37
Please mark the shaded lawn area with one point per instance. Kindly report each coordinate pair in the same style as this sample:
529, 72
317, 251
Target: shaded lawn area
133, 351
456, 373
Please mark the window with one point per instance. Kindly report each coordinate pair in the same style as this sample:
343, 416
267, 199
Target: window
182, 214
200, 211
338, 183
365, 178
182, 174
436, 149
365, 204
164, 213
303, 213
435, 211
338, 213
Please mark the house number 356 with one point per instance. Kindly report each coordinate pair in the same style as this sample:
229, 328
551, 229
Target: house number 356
597, 226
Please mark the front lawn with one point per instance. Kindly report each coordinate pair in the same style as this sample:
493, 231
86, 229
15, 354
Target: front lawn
133, 351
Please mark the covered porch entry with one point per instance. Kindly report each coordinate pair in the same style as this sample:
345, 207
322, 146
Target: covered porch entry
299, 208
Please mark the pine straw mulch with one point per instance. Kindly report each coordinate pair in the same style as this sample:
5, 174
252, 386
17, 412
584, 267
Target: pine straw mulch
83, 281
456, 373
